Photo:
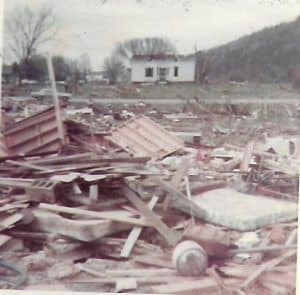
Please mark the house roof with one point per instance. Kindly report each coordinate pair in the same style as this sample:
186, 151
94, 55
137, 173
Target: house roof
159, 56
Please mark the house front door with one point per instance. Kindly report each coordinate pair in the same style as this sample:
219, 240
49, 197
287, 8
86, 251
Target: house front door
162, 74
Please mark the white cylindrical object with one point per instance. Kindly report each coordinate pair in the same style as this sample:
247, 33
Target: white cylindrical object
190, 259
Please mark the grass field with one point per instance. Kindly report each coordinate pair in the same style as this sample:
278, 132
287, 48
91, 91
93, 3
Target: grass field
215, 90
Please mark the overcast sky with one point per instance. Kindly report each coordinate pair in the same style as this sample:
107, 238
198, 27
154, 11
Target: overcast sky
92, 27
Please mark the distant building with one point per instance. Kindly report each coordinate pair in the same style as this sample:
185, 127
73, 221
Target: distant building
96, 76
162, 67
10, 75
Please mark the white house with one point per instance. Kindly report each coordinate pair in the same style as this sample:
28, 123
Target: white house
162, 67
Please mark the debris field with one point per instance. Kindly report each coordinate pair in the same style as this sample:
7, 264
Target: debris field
199, 199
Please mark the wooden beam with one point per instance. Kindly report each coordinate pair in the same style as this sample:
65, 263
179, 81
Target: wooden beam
27, 165
93, 193
171, 236
56, 100
267, 266
179, 199
94, 214
202, 285
135, 233
175, 181
244, 167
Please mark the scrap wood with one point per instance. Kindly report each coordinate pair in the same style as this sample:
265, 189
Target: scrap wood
93, 193
179, 199
126, 284
30, 166
213, 240
272, 193
204, 187
275, 288
60, 159
135, 272
4, 239
231, 269
112, 280
13, 207
171, 236
285, 279
211, 271
15, 182
140, 272
154, 261
135, 233
175, 181
82, 230
94, 214
292, 239
266, 155
281, 166
8, 221
203, 285
232, 252
230, 164
62, 270
244, 167
267, 266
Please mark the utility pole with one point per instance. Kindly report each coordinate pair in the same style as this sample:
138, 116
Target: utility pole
55, 100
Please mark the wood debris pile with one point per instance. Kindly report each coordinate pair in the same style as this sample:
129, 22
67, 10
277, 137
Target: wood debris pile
107, 210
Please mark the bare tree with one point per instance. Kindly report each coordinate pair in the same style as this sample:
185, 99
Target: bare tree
113, 69
26, 29
154, 45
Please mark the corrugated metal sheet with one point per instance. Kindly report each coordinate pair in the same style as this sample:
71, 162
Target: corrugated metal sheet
38, 133
143, 137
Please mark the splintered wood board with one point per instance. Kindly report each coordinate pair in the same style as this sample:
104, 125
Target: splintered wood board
143, 137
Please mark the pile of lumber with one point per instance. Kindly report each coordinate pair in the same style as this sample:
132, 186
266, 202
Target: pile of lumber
111, 217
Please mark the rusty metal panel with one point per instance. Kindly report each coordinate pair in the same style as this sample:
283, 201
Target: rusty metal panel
38, 133
143, 137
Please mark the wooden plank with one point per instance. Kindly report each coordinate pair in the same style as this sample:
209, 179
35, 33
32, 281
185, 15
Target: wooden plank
4, 239
154, 261
287, 279
8, 221
62, 159
199, 286
27, 165
292, 238
82, 230
13, 207
140, 272
204, 187
267, 266
111, 281
93, 193
244, 167
94, 214
179, 200
171, 236
135, 233
230, 164
175, 181
55, 100
126, 284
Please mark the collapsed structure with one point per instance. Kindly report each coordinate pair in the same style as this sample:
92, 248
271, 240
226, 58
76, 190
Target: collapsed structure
109, 207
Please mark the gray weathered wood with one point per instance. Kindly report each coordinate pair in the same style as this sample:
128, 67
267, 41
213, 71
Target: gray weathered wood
135, 233
171, 236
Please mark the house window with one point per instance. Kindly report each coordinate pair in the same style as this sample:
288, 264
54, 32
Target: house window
175, 71
149, 72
